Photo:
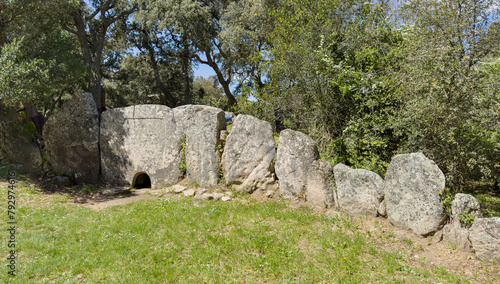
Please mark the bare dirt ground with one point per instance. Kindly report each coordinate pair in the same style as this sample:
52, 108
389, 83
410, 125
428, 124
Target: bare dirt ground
421, 252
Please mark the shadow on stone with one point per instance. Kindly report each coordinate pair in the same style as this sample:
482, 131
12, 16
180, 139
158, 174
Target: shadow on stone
141, 180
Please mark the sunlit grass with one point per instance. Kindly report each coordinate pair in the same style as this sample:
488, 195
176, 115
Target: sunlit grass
187, 240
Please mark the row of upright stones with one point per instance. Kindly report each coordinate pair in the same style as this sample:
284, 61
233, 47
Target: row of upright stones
409, 197
156, 140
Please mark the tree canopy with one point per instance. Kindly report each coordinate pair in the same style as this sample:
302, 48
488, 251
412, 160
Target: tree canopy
366, 79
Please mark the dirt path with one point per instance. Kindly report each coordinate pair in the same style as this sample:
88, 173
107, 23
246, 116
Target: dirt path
122, 199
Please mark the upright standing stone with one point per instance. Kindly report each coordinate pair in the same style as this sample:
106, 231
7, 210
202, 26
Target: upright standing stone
296, 153
72, 138
320, 187
201, 126
18, 143
140, 139
248, 154
359, 191
485, 238
412, 187
457, 232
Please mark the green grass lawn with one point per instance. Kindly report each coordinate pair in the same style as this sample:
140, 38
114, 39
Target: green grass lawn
186, 240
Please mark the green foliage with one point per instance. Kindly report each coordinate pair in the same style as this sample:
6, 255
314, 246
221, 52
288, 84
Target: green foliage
207, 91
39, 61
465, 218
365, 81
452, 247
450, 102
329, 78
221, 179
134, 82
29, 129
21, 79
446, 197
183, 165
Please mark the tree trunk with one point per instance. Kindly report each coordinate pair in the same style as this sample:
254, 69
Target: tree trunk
227, 91
188, 98
2, 36
95, 83
220, 77
169, 99
186, 70
36, 117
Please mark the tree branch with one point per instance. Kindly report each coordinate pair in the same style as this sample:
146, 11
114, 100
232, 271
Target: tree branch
68, 29
124, 14
197, 57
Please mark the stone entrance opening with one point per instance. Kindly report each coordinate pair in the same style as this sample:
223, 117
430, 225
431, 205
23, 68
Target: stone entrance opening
141, 180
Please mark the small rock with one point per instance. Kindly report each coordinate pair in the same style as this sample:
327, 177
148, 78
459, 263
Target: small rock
399, 234
207, 196
80, 200
189, 192
457, 232
382, 209
437, 237
46, 167
269, 193
155, 192
178, 188
465, 203
223, 135
115, 190
225, 198
201, 190
80, 276
217, 195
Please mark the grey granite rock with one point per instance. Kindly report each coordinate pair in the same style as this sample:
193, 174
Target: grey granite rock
320, 185
485, 238
457, 232
178, 188
189, 192
72, 138
248, 154
201, 126
412, 186
19, 145
359, 191
138, 140
296, 153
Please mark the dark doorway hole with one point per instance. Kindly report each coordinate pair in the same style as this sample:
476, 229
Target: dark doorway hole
141, 180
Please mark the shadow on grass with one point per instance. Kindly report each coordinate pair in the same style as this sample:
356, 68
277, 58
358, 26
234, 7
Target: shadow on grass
78, 193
